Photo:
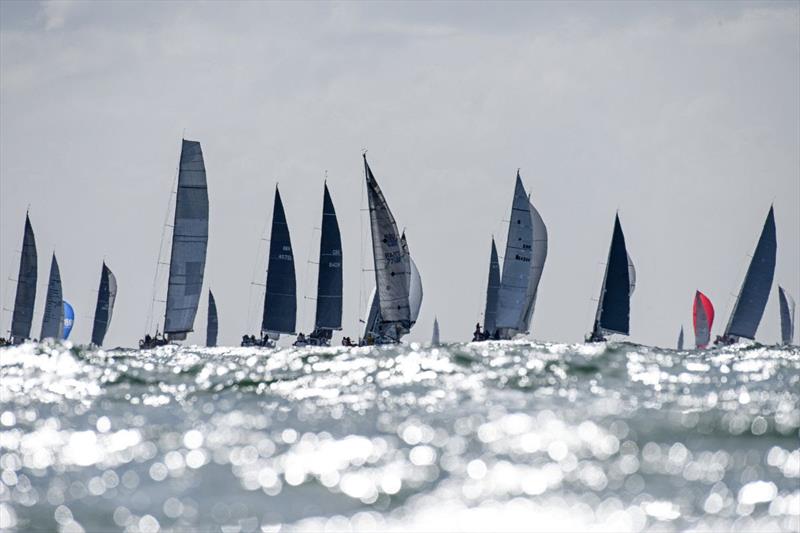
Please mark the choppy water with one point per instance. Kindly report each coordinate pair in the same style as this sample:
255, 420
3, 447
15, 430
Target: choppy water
496, 436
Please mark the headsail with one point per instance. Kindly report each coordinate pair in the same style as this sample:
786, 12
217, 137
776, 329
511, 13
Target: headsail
757, 284
25, 298
189, 243
69, 320
538, 257
280, 300
329, 281
703, 319
787, 316
392, 264
492, 288
106, 296
512, 300
680, 339
613, 309
53, 320
212, 326
435, 335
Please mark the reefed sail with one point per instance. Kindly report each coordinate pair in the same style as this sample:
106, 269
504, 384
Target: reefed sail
786, 304
329, 281
106, 296
752, 300
25, 298
613, 308
53, 320
703, 319
212, 326
280, 300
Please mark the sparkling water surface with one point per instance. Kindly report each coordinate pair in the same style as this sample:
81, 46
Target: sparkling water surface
497, 436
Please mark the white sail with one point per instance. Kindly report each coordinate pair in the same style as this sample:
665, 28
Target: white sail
537, 267
414, 292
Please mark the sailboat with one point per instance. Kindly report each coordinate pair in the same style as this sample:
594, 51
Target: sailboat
396, 300
752, 299
189, 244
53, 319
280, 299
25, 298
511, 298
329, 280
787, 316
435, 334
680, 339
619, 281
212, 326
106, 296
703, 319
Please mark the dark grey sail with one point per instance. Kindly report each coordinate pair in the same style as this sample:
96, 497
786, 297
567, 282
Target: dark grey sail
53, 320
22, 319
329, 281
213, 326
106, 296
189, 243
680, 339
492, 286
613, 309
392, 263
787, 316
280, 300
752, 300
435, 335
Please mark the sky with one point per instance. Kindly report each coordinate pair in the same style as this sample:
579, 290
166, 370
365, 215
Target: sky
683, 117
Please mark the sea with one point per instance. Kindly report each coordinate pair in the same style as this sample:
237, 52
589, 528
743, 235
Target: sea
494, 436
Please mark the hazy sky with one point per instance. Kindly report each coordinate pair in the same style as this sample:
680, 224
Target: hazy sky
685, 117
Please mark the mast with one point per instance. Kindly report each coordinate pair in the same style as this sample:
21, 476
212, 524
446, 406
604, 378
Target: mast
189, 243
25, 298
106, 296
53, 320
329, 280
280, 298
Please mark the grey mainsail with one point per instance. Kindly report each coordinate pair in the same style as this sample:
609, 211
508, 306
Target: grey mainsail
786, 304
106, 296
280, 299
492, 288
213, 325
53, 320
374, 324
613, 308
752, 300
512, 300
189, 243
680, 339
25, 298
435, 335
392, 264
329, 281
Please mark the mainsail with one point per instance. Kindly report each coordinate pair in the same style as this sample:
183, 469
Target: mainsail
106, 295
212, 325
69, 320
752, 300
53, 320
280, 300
393, 267
680, 339
703, 319
25, 298
787, 316
492, 288
512, 300
435, 335
329, 281
189, 243
613, 309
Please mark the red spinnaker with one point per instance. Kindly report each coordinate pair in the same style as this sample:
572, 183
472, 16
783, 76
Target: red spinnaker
703, 316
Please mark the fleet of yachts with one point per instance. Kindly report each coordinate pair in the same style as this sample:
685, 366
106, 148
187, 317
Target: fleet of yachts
395, 301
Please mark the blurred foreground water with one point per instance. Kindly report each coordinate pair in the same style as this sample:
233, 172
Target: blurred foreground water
511, 436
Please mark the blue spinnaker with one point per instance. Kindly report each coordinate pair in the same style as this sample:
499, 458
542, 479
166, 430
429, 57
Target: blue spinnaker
69, 319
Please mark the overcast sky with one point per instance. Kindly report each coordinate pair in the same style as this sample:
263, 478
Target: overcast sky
685, 117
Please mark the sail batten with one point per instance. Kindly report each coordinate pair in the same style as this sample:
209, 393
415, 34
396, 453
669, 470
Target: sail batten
787, 308
280, 299
757, 284
189, 243
329, 281
212, 326
106, 296
613, 308
53, 319
25, 298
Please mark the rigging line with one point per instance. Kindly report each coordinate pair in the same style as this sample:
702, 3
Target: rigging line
249, 323
305, 275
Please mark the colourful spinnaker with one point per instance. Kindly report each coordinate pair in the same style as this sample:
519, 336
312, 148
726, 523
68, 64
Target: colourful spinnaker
69, 319
703, 317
